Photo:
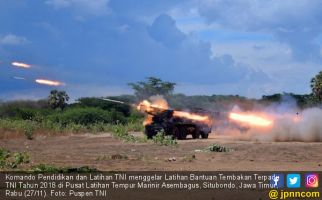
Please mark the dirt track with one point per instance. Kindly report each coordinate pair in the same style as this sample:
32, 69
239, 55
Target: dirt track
96, 151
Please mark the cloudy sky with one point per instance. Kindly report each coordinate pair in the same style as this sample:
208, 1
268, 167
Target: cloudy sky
96, 47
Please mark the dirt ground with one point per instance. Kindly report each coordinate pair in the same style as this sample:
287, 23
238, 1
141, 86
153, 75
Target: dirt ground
101, 151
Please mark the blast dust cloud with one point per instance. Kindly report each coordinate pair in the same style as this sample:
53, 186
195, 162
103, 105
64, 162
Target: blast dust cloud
294, 125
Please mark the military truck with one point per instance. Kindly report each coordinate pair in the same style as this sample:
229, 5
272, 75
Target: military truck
178, 127
171, 124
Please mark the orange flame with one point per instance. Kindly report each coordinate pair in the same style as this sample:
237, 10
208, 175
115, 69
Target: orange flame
148, 120
250, 119
20, 64
190, 116
146, 106
49, 82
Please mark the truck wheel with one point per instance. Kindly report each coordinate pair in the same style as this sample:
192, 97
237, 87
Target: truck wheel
183, 133
176, 132
195, 135
149, 132
204, 135
179, 133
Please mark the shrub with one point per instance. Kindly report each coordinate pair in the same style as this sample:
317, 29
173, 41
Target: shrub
135, 126
113, 157
105, 105
53, 169
122, 132
23, 109
26, 127
189, 158
52, 126
12, 160
87, 116
25, 113
47, 168
4, 155
162, 139
218, 148
136, 116
28, 131
73, 128
19, 158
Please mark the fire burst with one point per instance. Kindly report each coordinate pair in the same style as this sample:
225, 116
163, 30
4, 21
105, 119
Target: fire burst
146, 106
190, 116
19, 64
49, 82
161, 104
250, 119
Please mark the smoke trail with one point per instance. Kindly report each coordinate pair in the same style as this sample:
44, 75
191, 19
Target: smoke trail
49, 82
18, 78
290, 124
20, 64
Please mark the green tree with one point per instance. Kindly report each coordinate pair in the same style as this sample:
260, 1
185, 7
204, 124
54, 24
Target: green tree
153, 86
58, 99
316, 86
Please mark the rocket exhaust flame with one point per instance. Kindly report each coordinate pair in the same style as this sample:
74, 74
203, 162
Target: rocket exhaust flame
146, 106
190, 116
20, 64
49, 82
250, 119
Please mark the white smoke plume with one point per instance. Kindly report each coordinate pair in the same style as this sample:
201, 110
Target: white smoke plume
159, 100
308, 128
290, 124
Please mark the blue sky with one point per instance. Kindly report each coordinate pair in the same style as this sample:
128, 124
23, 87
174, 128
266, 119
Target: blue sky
96, 47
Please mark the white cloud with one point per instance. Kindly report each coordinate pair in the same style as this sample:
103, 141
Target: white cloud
188, 19
275, 60
259, 54
123, 28
281, 38
295, 23
11, 39
259, 14
246, 89
82, 7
